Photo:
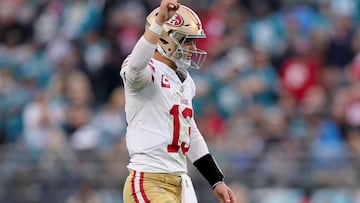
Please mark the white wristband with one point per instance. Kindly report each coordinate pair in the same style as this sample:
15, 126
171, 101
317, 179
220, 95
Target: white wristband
156, 28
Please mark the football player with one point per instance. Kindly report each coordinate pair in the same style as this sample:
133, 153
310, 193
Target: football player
161, 131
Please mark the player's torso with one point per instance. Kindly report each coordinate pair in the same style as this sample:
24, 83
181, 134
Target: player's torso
158, 135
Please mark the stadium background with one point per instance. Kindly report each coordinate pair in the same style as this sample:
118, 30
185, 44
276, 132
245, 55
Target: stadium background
278, 99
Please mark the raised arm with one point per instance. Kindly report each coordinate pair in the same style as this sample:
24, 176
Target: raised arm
134, 71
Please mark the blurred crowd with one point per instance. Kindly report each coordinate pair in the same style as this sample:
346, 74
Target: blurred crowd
278, 99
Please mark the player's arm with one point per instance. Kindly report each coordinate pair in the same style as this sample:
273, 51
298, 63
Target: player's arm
134, 71
202, 159
200, 156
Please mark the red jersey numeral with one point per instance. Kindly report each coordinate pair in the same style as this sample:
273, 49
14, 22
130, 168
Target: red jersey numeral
174, 146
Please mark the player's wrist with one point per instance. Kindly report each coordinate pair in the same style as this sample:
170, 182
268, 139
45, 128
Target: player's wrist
160, 21
209, 169
156, 28
216, 184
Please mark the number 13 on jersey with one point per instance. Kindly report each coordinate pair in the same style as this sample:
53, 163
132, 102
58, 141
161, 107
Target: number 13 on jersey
187, 113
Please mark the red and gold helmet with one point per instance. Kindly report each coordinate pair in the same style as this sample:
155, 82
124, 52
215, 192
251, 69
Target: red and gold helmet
183, 26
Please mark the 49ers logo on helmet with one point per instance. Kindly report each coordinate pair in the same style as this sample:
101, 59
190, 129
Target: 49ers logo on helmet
176, 20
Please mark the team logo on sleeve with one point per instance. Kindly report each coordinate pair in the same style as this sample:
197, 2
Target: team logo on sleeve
165, 81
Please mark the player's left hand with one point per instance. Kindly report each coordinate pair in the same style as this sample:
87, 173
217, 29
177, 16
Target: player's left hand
224, 193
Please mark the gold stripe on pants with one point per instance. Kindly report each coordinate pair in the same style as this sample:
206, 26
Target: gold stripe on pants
143, 187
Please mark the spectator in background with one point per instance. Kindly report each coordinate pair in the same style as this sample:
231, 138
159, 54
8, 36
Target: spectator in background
42, 119
94, 55
339, 50
79, 17
13, 99
300, 71
110, 119
353, 70
328, 150
266, 29
227, 72
260, 81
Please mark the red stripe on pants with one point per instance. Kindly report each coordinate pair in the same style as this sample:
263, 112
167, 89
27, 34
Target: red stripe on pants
142, 188
133, 187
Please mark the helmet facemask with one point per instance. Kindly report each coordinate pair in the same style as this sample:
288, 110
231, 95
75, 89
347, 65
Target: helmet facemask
187, 54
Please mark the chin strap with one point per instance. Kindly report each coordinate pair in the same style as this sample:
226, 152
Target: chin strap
181, 66
210, 170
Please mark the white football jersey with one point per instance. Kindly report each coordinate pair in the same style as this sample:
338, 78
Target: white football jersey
160, 119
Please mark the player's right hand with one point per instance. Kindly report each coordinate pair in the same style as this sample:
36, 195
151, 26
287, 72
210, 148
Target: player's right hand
166, 11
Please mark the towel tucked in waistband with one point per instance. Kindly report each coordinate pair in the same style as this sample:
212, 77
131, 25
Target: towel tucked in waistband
188, 193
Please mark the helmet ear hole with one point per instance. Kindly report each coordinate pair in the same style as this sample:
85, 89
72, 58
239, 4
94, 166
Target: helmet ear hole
164, 41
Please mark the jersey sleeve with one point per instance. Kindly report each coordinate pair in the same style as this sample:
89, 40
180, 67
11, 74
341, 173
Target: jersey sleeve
135, 70
198, 146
